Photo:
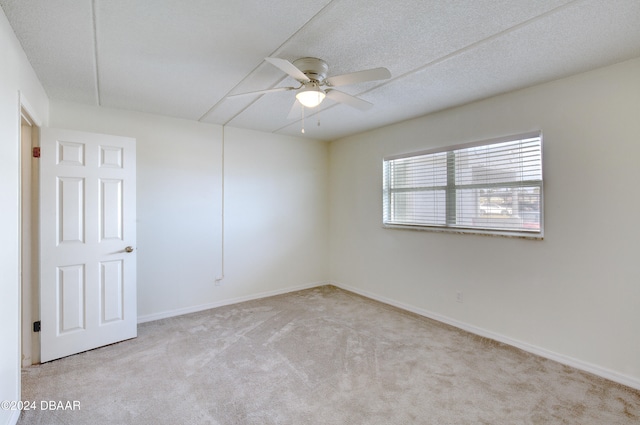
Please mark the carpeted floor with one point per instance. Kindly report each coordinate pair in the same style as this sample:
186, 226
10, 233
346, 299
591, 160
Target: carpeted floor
319, 356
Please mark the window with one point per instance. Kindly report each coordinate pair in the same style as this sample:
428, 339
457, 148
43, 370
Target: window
487, 187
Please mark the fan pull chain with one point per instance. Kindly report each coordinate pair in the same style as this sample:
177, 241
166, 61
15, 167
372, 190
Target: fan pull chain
302, 131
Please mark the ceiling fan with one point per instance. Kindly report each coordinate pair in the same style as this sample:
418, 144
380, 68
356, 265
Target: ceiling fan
311, 73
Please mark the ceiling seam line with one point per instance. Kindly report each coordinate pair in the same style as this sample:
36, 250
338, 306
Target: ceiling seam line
313, 18
451, 55
217, 104
95, 51
244, 109
478, 43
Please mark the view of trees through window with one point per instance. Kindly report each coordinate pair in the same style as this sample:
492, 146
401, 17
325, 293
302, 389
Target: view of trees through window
494, 186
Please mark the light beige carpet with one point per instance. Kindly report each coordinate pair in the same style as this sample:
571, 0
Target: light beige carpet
319, 356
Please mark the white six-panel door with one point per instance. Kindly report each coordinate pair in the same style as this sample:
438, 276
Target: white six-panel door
87, 241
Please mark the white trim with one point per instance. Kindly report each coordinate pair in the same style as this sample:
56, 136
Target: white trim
13, 420
538, 236
26, 105
539, 351
18, 384
202, 307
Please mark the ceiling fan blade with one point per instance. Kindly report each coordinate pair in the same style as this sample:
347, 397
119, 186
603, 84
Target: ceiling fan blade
359, 77
254, 93
296, 110
347, 99
288, 68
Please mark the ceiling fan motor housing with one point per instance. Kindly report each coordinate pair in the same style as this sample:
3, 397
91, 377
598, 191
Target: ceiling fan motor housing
314, 68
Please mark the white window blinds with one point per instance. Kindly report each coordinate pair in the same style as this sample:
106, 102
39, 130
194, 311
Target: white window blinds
487, 187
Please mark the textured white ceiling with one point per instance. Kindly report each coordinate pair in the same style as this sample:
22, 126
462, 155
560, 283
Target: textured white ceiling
182, 58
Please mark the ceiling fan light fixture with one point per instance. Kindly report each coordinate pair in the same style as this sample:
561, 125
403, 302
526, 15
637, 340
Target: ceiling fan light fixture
310, 96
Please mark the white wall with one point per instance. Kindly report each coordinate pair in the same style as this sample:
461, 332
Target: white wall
276, 214
575, 295
16, 76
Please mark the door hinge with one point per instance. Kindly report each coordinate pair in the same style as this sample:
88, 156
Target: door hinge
36, 152
36, 326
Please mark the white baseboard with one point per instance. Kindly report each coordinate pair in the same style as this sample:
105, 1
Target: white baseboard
230, 301
539, 351
13, 420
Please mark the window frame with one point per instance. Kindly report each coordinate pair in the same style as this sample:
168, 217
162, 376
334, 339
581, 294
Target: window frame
450, 191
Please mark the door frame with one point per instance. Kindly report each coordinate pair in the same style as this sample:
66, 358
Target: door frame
29, 302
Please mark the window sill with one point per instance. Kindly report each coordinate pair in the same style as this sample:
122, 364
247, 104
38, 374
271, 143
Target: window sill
462, 231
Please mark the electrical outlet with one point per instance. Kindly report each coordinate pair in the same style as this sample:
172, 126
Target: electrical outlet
459, 297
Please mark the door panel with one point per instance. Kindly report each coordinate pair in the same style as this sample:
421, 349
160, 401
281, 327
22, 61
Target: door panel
71, 299
88, 277
70, 202
111, 291
111, 209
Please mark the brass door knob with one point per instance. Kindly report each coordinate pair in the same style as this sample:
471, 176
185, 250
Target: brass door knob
128, 249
